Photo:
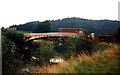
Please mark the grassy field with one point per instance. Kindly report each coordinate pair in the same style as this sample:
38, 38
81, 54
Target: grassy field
15, 30
104, 60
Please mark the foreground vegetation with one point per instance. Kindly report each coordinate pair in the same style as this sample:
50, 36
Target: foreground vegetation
104, 60
80, 55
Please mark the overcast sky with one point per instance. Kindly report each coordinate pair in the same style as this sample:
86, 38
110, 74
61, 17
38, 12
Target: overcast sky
22, 11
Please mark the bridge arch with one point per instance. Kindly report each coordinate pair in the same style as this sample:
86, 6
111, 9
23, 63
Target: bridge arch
47, 35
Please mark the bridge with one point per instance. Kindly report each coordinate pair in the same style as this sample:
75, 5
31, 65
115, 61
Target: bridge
51, 34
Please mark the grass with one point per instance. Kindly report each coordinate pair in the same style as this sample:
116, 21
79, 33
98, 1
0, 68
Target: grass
43, 41
104, 61
18, 31
15, 30
22, 31
10, 29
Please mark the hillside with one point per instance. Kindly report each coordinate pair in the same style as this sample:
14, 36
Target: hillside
96, 26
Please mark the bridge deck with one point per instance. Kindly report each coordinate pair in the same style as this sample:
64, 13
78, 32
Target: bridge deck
51, 34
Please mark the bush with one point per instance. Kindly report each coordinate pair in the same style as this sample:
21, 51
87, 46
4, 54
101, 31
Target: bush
47, 52
14, 52
101, 46
76, 46
43, 52
17, 38
10, 61
20, 42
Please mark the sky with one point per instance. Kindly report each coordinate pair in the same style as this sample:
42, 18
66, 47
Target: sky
22, 11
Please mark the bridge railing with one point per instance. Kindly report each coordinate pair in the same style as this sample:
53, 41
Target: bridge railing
51, 34
55, 33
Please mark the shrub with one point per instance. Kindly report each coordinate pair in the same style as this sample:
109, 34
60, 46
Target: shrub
20, 42
10, 63
43, 53
17, 38
76, 46
101, 46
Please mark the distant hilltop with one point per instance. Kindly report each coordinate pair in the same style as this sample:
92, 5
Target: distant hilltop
95, 26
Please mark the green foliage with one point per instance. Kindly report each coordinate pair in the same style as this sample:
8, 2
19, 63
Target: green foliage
47, 52
100, 68
76, 46
15, 56
17, 38
86, 32
35, 26
30, 26
43, 27
105, 61
10, 61
20, 42
18, 31
43, 52
101, 46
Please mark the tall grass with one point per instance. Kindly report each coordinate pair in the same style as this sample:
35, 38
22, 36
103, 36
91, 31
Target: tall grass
101, 61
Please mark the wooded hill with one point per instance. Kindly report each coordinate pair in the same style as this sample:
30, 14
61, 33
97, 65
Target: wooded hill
96, 26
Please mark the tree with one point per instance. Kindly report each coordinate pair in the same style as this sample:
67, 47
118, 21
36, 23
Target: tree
117, 35
43, 53
10, 61
76, 46
43, 27
20, 42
